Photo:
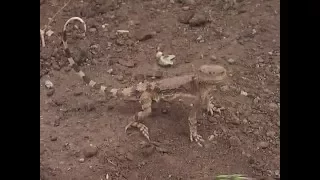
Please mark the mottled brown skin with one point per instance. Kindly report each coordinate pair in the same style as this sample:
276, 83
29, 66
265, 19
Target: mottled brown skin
195, 87
192, 89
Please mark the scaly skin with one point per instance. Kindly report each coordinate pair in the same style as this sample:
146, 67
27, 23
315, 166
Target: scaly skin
194, 86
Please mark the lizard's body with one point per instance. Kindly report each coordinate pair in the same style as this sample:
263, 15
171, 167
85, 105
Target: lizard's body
194, 87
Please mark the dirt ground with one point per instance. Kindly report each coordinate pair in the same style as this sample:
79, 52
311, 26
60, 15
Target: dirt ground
82, 134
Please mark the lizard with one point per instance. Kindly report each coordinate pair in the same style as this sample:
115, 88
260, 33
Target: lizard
194, 86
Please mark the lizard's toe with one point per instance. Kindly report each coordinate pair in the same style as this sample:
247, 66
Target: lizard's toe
197, 138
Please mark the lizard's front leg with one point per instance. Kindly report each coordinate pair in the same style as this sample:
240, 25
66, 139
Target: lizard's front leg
208, 104
146, 102
192, 118
210, 107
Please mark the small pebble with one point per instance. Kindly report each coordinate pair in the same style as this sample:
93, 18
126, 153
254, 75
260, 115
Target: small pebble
235, 120
56, 122
49, 33
211, 137
56, 66
53, 138
129, 156
198, 19
185, 8
273, 106
90, 151
128, 63
164, 111
81, 160
263, 144
110, 71
251, 160
92, 29
50, 92
144, 35
245, 121
162, 150
234, 141
77, 93
213, 58
67, 69
48, 84
110, 107
271, 134
231, 61
190, 2
244, 93
224, 88
260, 60
256, 100
88, 106
185, 17
148, 150
120, 78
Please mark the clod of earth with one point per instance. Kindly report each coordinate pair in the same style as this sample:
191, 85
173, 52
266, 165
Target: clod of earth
50, 92
234, 141
90, 151
128, 63
263, 144
271, 134
198, 19
77, 93
185, 8
213, 58
231, 61
56, 122
143, 35
273, 106
129, 156
53, 138
185, 17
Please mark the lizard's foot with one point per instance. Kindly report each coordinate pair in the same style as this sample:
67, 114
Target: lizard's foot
143, 128
194, 136
211, 108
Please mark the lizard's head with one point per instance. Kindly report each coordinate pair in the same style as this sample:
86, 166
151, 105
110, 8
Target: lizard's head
211, 74
154, 90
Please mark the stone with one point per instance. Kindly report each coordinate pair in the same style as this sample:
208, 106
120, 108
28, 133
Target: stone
263, 144
50, 92
213, 58
231, 61
128, 63
185, 17
90, 151
198, 19
129, 156
143, 35
234, 141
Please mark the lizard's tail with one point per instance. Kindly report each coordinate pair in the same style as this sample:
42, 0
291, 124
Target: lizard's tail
72, 63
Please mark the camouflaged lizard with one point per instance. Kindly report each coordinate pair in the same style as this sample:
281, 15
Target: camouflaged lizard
191, 89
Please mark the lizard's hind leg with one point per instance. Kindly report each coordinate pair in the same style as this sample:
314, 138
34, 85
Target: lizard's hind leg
146, 102
192, 119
